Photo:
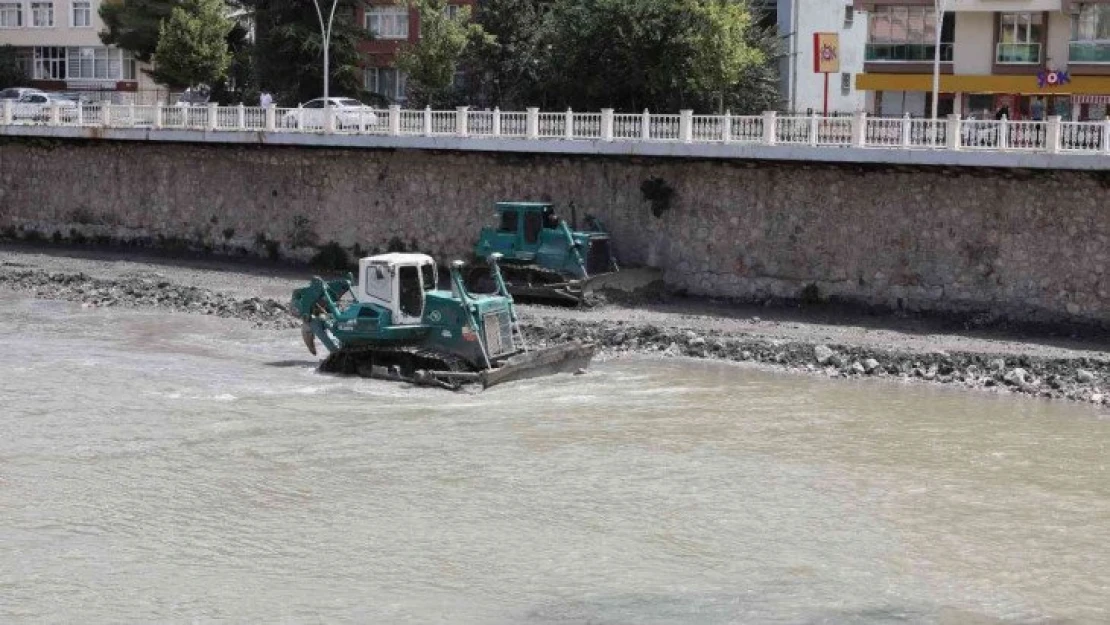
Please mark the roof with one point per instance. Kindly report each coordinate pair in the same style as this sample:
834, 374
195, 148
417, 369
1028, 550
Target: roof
397, 258
524, 204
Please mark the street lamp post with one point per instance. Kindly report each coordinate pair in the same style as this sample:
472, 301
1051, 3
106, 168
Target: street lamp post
325, 34
938, 8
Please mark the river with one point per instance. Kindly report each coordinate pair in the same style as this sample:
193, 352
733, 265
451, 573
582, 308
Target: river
180, 468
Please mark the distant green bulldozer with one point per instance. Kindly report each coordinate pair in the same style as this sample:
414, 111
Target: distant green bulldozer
543, 258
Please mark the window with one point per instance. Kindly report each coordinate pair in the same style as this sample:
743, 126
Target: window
846, 83
378, 282
11, 15
1019, 38
100, 64
1090, 34
533, 223
849, 16
451, 11
49, 63
82, 13
508, 222
386, 81
908, 34
388, 22
42, 14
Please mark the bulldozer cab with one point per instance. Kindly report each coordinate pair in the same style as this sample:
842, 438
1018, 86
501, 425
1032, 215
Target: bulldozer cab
397, 282
532, 233
520, 228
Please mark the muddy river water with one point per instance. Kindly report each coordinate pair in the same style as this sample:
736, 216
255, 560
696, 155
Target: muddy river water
177, 468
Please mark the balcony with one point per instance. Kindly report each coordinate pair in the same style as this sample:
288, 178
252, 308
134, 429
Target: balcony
906, 52
1089, 52
1018, 54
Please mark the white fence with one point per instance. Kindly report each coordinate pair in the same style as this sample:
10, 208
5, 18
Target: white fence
859, 131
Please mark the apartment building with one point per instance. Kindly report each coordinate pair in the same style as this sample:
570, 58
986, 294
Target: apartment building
391, 24
58, 44
802, 89
1027, 59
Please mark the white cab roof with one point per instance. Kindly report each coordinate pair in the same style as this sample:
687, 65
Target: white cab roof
397, 258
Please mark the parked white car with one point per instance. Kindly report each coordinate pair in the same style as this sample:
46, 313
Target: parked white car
37, 106
349, 113
15, 93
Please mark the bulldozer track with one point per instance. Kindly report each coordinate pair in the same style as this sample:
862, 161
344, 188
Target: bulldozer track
409, 359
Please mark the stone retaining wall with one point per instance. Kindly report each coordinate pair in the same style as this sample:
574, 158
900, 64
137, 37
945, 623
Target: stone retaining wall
1029, 246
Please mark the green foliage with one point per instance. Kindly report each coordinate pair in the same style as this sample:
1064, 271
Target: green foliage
625, 54
288, 51
134, 25
507, 66
11, 72
192, 46
431, 62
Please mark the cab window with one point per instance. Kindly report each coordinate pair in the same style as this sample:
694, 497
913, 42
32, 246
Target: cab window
412, 298
377, 282
428, 273
508, 222
533, 223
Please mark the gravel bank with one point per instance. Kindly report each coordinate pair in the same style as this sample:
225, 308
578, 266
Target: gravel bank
821, 343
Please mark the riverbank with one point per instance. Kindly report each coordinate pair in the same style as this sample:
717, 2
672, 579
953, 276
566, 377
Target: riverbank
817, 341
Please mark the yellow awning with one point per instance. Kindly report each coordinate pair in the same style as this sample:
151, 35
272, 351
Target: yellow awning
954, 83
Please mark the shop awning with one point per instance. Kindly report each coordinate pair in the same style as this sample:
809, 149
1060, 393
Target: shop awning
969, 83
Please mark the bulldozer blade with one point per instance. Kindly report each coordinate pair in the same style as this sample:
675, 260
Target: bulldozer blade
308, 337
567, 358
627, 280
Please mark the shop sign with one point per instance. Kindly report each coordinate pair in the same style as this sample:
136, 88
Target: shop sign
1052, 78
826, 53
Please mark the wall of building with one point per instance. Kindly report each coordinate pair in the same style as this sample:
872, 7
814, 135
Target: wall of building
1030, 245
973, 51
1059, 35
824, 16
61, 34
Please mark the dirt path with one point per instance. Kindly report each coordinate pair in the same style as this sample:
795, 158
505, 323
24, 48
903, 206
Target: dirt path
798, 339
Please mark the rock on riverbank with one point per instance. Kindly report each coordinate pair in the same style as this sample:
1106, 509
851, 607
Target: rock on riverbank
1078, 378
1067, 378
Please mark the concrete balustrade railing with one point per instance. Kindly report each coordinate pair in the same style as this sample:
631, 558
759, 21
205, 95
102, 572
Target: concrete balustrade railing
1051, 136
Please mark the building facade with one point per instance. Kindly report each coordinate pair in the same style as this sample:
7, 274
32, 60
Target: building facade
1026, 59
390, 25
803, 90
58, 44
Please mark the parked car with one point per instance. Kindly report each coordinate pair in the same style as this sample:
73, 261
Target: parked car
196, 96
349, 113
15, 93
37, 106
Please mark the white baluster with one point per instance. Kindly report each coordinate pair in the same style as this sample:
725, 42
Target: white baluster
770, 131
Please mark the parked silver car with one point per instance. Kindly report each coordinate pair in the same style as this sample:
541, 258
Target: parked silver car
349, 113
15, 93
37, 106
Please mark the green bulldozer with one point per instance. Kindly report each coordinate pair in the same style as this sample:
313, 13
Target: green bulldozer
395, 323
545, 258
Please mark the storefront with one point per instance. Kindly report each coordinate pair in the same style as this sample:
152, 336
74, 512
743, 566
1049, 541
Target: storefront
1091, 107
1019, 97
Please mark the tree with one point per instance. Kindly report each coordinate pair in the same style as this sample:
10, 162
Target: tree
135, 25
12, 73
288, 50
432, 62
656, 54
192, 45
506, 67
